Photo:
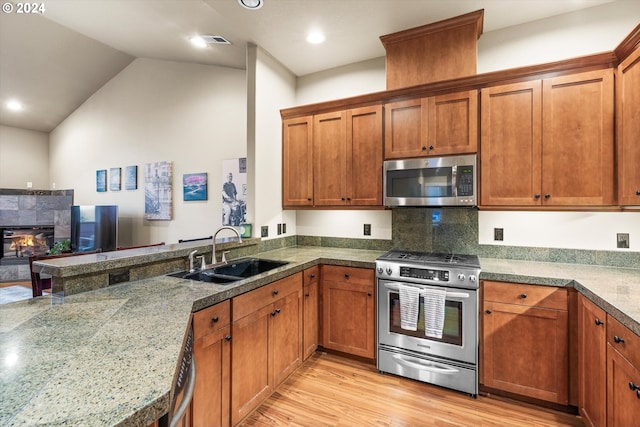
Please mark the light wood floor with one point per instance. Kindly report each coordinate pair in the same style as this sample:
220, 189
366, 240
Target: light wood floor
329, 390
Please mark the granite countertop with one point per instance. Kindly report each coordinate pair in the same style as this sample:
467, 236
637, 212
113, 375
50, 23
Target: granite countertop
108, 357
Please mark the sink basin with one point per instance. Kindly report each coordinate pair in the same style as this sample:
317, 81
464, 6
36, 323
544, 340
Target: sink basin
232, 272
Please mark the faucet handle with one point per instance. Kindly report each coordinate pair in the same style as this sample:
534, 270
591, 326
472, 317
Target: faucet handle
203, 264
224, 258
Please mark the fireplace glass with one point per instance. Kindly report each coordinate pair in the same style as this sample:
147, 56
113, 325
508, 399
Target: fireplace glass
21, 242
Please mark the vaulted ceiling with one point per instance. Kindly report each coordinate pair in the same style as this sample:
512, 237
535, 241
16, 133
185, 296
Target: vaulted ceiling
54, 60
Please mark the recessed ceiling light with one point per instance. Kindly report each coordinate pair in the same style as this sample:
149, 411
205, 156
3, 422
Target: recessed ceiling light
251, 4
198, 42
14, 105
315, 37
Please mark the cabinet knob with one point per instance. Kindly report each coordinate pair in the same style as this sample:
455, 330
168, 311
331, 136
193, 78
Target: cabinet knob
307, 294
369, 294
618, 340
431, 147
599, 322
637, 192
214, 319
348, 199
536, 196
273, 313
488, 311
633, 386
275, 292
308, 199
312, 276
346, 275
523, 296
424, 148
547, 196
228, 338
342, 198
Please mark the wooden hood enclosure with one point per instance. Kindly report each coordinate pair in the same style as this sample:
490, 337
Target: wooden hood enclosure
443, 50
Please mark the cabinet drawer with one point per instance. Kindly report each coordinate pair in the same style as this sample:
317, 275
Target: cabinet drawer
311, 275
251, 301
211, 319
627, 344
529, 295
359, 276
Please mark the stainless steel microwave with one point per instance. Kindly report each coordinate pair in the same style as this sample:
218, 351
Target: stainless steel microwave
431, 181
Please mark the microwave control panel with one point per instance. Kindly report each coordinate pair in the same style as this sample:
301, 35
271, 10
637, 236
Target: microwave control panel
465, 181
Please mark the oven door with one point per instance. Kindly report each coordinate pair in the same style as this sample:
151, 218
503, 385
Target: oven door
460, 333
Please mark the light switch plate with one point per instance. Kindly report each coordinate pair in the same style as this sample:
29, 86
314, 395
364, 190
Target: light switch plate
498, 234
264, 231
623, 240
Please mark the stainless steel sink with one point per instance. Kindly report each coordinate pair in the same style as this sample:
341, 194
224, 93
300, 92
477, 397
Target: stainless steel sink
231, 272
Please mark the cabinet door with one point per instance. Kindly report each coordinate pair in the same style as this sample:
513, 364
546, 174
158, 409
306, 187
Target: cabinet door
330, 159
364, 154
511, 148
592, 343
623, 402
250, 382
348, 317
310, 310
211, 394
525, 351
453, 123
628, 111
285, 339
577, 135
297, 162
405, 133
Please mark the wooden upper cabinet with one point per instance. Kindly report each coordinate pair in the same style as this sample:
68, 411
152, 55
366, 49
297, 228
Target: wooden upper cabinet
405, 132
297, 162
628, 127
453, 123
348, 157
329, 158
511, 144
549, 142
434, 126
577, 139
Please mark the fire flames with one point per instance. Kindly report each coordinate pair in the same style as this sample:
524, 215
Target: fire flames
27, 244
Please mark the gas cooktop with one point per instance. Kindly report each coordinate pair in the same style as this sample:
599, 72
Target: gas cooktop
431, 258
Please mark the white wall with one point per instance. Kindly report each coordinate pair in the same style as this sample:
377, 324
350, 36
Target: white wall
193, 115
570, 35
24, 158
274, 90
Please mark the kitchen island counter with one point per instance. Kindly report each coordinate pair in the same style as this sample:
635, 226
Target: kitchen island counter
107, 357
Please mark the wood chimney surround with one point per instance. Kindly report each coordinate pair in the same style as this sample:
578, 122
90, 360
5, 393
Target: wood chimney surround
434, 52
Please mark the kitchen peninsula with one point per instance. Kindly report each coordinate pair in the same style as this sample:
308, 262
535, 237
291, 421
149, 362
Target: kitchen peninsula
107, 357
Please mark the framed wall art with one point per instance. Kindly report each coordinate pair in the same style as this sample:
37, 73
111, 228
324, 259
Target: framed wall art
131, 178
101, 180
194, 186
115, 179
158, 197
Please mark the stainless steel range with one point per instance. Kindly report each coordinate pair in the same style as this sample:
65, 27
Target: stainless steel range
428, 318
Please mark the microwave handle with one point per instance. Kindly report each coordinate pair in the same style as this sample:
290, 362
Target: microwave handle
394, 287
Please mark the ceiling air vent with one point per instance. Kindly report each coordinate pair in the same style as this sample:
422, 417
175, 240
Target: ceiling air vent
215, 40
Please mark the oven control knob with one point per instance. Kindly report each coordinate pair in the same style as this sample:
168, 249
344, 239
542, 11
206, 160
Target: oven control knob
380, 270
460, 276
389, 271
472, 277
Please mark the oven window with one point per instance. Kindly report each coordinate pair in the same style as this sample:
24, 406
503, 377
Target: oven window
428, 182
452, 331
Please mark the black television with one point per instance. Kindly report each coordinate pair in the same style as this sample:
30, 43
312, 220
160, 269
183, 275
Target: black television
94, 227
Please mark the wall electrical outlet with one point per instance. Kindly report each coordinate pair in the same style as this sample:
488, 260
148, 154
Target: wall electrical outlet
498, 234
264, 231
367, 229
623, 240
284, 228
279, 229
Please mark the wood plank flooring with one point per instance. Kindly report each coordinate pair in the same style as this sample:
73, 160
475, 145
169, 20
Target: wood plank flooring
329, 390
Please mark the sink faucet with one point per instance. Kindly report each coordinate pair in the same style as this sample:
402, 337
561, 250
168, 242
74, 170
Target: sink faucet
213, 249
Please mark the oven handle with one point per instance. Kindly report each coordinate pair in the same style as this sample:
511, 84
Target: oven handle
428, 366
394, 287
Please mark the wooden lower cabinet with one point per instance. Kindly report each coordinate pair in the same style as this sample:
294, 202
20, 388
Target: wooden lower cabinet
525, 340
311, 278
212, 351
348, 310
592, 362
267, 342
623, 375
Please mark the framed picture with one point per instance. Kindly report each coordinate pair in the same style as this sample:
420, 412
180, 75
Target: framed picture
158, 194
114, 179
194, 186
131, 178
101, 180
